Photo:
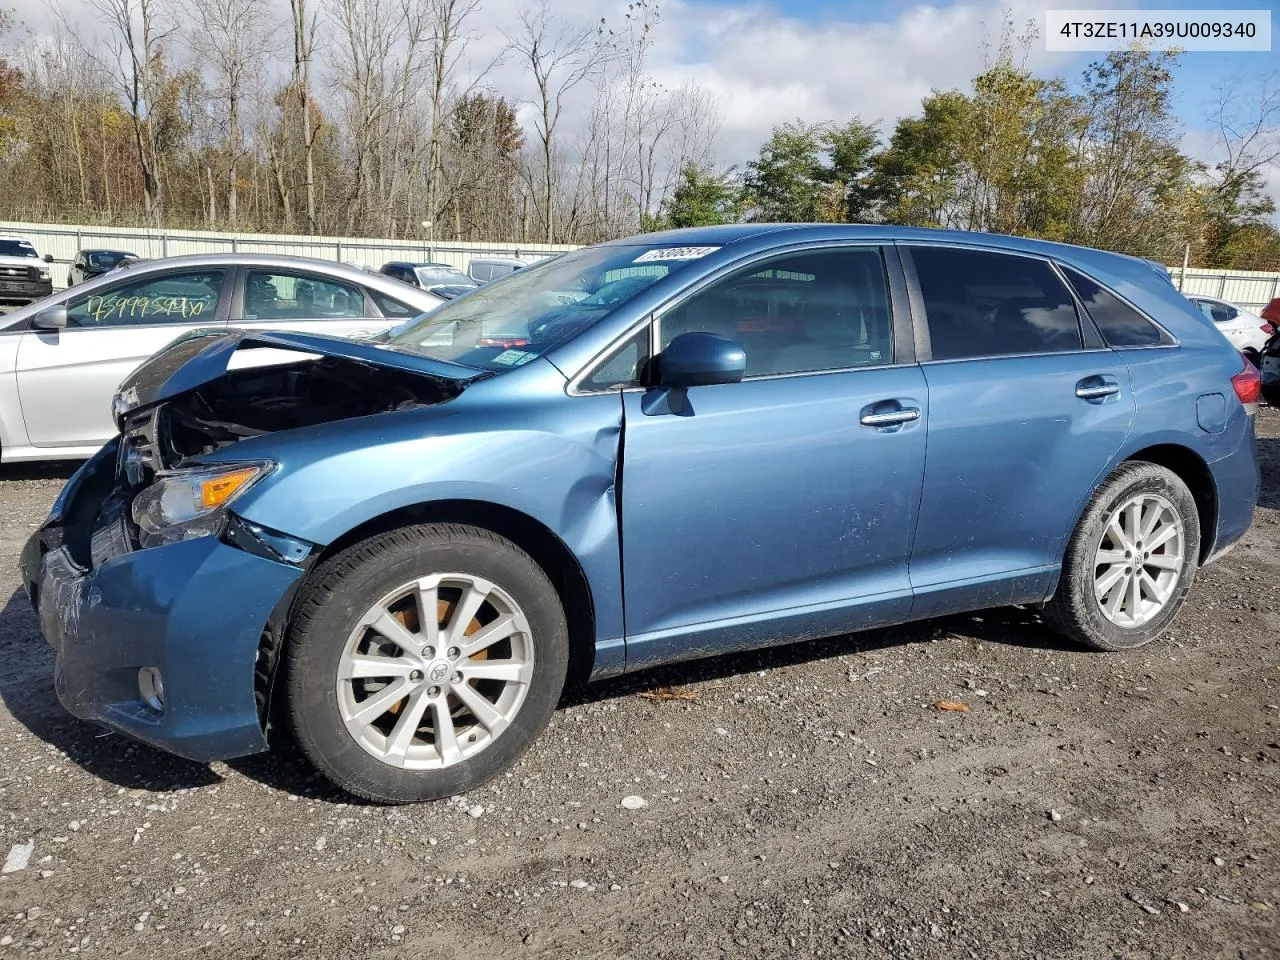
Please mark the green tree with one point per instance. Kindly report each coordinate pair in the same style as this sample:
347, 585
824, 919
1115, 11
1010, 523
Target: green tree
1137, 184
813, 172
701, 197
916, 179
785, 182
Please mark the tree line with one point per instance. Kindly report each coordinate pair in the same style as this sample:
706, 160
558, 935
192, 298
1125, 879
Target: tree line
373, 118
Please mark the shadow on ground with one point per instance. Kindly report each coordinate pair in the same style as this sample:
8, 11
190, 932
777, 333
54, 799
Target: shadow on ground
27, 693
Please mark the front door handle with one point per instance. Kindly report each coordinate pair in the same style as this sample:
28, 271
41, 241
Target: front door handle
890, 418
1097, 388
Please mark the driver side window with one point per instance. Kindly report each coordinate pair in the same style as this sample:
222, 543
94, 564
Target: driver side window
799, 313
190, 297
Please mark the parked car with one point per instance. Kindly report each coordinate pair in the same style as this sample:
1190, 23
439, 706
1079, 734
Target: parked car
24, 274
485, 269
1271, 370
440, 278
61, 360
94, 263
1247, 331
1271, 312
424, 536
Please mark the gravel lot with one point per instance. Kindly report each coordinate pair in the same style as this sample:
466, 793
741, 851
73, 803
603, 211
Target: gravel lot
810, 801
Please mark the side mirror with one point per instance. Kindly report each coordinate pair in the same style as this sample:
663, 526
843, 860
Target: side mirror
50, 318
700, 359
47, 258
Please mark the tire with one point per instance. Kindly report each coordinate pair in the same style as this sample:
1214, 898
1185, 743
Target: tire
383, 758
1095, 555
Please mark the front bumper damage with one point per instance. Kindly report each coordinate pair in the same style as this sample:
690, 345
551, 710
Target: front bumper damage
196, 610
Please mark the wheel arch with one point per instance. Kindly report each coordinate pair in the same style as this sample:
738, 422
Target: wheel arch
1192, 470
547, 549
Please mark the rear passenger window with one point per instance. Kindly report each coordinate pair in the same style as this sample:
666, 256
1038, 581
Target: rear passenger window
804, 312
984, 304
1121, 324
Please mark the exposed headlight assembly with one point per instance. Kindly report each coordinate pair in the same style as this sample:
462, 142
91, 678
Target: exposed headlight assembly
186, 504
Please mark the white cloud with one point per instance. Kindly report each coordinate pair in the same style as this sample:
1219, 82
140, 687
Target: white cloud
764, 66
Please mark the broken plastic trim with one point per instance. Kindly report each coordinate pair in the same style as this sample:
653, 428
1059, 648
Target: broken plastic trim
264, 542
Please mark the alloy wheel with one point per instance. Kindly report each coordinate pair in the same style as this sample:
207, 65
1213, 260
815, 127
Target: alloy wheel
1139, 560
435, 671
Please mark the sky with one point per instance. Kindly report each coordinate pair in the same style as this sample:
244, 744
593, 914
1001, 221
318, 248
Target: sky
769, 61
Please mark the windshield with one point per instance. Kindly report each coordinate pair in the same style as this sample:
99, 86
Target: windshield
16, 248
106, 259
430, 275
525, 314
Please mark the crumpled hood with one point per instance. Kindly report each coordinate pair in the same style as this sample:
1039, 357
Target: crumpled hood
204, 355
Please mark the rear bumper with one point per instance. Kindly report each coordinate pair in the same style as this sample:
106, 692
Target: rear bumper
1237, 480
195, 610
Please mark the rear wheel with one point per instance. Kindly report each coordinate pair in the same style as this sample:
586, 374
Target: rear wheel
1130, 562
424, 661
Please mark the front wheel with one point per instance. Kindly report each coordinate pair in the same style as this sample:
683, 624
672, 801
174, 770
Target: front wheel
423, 661
1130, 561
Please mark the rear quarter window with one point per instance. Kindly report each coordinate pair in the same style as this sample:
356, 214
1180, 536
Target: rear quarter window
1120, 324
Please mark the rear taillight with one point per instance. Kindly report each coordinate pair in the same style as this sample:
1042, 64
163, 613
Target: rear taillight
1248, 386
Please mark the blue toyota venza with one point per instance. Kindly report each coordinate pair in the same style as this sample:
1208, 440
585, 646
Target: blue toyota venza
677, 445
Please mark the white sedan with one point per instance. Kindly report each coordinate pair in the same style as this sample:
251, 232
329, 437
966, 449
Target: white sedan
62, 358
1247, 331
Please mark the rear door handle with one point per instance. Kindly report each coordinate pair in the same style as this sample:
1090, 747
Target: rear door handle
890, 418
1097, 388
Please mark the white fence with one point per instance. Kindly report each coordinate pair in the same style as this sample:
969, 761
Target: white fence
1252, 290
63, 242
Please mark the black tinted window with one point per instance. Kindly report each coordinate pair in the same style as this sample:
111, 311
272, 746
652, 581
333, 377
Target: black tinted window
982, 304
623, 368
819, 310
1121, 325
392, 307
1217, 312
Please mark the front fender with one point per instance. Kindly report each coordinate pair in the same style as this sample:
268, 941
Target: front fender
553, 460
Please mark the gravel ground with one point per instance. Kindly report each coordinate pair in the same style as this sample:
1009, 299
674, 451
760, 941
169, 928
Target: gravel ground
809, 801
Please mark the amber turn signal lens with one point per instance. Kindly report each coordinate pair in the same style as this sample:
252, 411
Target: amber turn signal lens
216, 491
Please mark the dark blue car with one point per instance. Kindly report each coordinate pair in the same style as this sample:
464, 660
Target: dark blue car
672, 446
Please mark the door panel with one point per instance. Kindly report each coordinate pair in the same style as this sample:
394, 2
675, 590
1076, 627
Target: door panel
1013, 454
765, 512
66, 378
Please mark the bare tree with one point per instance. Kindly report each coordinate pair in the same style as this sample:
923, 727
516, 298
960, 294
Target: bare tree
448, 41
230, 36
1246, 124
304, 38
560, 56
134, 60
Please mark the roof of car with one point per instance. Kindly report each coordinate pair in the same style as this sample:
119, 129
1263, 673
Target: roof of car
731, 233
128, 253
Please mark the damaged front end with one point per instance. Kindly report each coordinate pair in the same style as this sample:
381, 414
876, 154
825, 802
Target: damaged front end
144, 578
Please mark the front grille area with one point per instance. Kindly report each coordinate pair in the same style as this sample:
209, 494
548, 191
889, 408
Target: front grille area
19, 273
